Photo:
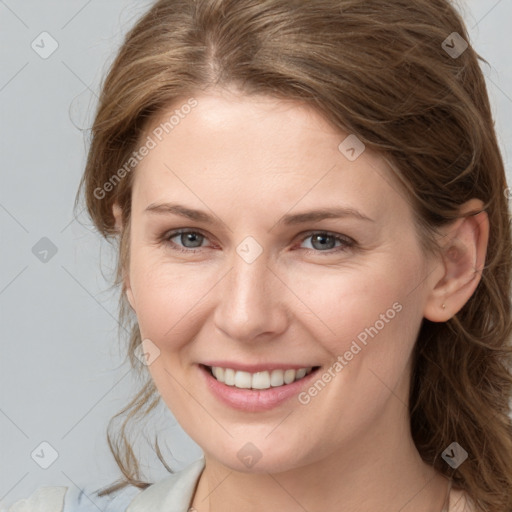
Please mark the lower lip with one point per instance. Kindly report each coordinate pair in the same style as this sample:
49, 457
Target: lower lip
254, 400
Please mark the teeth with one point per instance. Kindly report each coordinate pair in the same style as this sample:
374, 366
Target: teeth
277, 378
258, 380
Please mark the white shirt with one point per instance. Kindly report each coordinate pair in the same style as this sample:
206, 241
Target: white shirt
171, 494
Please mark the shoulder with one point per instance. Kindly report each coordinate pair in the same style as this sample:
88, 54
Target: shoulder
87, 499
172, 493
43, 499
72, 499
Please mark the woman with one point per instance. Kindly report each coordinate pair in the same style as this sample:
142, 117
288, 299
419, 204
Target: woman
314, 242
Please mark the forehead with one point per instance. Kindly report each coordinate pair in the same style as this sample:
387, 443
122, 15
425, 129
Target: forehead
259, 150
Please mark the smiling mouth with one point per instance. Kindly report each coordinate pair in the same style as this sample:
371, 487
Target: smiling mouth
258, 380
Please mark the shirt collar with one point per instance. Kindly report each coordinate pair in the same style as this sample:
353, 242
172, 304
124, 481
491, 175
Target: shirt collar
171, 494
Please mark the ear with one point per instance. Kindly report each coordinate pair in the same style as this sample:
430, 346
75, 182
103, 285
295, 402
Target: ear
464, 249
118, 217
117, 212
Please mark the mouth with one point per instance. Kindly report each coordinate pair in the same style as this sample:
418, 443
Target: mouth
261, 380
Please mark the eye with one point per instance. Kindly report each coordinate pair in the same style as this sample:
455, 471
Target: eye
190, 240
323, 241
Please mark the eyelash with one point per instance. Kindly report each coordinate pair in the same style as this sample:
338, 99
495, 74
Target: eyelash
347, 242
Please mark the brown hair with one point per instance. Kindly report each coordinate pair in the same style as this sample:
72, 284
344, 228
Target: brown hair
378, 69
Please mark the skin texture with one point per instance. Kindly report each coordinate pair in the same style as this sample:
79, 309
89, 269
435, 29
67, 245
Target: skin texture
248, 161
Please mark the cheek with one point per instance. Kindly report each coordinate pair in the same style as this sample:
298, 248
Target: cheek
345, 302
368, 316
167, 296
365, 302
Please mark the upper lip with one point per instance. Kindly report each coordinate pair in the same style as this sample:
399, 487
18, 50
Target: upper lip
256, 367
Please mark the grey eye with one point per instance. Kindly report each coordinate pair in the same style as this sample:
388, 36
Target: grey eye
195, 239
322, 241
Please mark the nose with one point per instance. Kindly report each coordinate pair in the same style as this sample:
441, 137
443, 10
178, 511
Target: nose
251, 301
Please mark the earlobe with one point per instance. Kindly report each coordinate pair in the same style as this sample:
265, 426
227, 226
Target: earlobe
118, 217
127, 290
129, 296
463, 259
117, 212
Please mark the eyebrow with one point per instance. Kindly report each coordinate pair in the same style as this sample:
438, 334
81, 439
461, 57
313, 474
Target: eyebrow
289, 219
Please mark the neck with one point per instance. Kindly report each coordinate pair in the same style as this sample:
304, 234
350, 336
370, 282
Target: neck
375, 471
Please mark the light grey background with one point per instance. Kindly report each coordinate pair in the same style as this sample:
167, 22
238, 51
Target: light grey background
61, 377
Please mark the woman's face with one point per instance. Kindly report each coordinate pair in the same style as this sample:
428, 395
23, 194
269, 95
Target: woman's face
299, 251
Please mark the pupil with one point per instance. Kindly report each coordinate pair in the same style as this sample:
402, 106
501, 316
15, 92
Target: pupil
322, 239
192, 237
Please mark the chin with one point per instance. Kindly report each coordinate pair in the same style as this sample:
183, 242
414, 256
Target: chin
250, 459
